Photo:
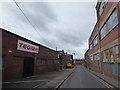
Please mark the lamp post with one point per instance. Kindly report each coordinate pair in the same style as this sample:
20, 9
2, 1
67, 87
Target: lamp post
73, 60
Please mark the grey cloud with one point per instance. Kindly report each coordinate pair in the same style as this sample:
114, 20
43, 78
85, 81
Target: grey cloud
40, 14
63, 25
70, 38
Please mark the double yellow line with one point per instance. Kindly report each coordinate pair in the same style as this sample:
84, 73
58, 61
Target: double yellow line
103, 82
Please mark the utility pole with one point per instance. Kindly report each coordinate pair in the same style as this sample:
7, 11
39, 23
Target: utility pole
56, 48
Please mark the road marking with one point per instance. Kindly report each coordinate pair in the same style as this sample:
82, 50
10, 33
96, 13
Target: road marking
36, 86
103, 82
23, 81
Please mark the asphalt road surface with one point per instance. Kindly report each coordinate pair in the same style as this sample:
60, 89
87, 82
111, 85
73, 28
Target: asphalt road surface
82, 78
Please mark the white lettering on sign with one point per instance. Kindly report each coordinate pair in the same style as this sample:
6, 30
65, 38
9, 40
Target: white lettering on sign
24, 46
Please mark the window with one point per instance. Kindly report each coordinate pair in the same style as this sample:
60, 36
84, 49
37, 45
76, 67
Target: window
90, 46
117, 52
95, 41
102, 6
50, 62
56, 61
119, 4
112, 21
91, 57
101, 9
96, 57
40, 62
103, 31
106, 57
110, 24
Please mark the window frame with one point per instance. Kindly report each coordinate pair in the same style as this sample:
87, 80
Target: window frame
106, 25
104, 3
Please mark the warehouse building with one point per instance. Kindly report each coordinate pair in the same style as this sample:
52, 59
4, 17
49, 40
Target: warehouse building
65, 59
22, 57
103, 54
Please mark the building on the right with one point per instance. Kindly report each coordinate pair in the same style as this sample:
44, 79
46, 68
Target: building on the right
103, 54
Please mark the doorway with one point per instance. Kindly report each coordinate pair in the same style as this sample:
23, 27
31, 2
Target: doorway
28, 67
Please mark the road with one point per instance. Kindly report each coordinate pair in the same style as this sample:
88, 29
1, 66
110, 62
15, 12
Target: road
82, 78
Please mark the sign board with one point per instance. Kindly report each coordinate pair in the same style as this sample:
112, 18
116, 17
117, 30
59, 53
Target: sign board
24, 46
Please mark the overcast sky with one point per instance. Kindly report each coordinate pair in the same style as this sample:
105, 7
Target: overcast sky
65, 25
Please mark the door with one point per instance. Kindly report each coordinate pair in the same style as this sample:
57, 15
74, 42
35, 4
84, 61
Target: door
28, 67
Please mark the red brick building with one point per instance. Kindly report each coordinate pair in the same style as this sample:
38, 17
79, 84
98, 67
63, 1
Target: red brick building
78, 61
65, 59
22, 57
103, 54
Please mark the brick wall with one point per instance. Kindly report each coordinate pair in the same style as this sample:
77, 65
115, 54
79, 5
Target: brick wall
14, 59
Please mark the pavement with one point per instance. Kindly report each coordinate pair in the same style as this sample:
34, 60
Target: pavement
56, 82
115, 83
45, 80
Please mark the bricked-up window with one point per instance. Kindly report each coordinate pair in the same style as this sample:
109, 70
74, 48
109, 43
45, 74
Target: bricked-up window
102, 7
95, 41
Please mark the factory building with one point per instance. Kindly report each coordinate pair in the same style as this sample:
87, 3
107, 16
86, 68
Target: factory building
65, 59
22, 57
103, 54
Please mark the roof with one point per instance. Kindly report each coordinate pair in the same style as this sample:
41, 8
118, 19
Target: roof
26, 39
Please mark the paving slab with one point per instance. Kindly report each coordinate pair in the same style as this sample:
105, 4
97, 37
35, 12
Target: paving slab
58, 80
